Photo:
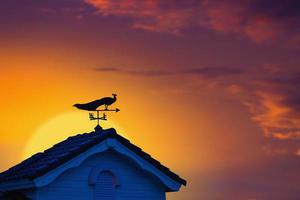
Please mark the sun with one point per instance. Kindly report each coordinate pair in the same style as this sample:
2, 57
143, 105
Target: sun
61, 127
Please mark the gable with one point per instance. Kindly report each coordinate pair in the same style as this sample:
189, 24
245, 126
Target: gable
109, 144
125, 179
71, 152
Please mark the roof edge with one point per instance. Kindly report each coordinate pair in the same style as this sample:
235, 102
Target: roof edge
18, 184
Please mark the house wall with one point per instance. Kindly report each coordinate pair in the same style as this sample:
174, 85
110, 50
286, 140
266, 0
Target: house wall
74, 183
30, 193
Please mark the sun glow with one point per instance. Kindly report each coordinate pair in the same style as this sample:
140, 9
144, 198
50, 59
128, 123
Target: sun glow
61, 127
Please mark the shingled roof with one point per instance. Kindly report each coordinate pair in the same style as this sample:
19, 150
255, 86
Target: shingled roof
41, 163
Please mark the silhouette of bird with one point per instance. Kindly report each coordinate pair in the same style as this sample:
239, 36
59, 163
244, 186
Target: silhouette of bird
92, 106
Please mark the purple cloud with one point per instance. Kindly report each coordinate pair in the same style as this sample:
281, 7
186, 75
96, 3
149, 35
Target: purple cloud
258, 20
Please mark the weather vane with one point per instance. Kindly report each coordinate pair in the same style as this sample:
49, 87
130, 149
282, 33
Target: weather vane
94, 105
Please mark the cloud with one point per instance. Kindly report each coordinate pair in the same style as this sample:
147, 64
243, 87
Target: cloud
212, 72
258, 20
274, 102
209, 72
108, 69
154, 15
271, 94
17, 12
145, 73
272, 97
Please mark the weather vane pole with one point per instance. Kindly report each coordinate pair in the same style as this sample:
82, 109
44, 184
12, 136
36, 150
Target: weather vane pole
94, 105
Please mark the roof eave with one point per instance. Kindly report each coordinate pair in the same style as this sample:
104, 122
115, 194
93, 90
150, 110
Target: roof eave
16, 185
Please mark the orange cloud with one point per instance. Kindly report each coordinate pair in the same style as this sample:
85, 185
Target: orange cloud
252, 19
261, 29
148, 15
276, 118
235, 17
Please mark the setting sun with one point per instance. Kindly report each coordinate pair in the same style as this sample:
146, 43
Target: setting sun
61, 127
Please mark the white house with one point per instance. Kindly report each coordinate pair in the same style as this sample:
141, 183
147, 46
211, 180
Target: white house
97, 165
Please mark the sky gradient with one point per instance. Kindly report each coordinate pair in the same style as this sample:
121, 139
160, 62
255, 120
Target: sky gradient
209, 88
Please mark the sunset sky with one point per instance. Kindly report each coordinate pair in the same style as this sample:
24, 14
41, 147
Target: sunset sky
210, 88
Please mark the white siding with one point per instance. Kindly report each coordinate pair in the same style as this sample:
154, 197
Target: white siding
134, 183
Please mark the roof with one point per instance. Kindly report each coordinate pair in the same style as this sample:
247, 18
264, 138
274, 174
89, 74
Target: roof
41, 163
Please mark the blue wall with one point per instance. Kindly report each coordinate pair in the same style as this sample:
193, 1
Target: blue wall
135, 184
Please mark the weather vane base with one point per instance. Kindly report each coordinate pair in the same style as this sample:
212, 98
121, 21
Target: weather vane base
98, 128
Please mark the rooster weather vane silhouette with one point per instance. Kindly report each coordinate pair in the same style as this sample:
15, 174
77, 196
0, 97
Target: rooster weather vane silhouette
94, 105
